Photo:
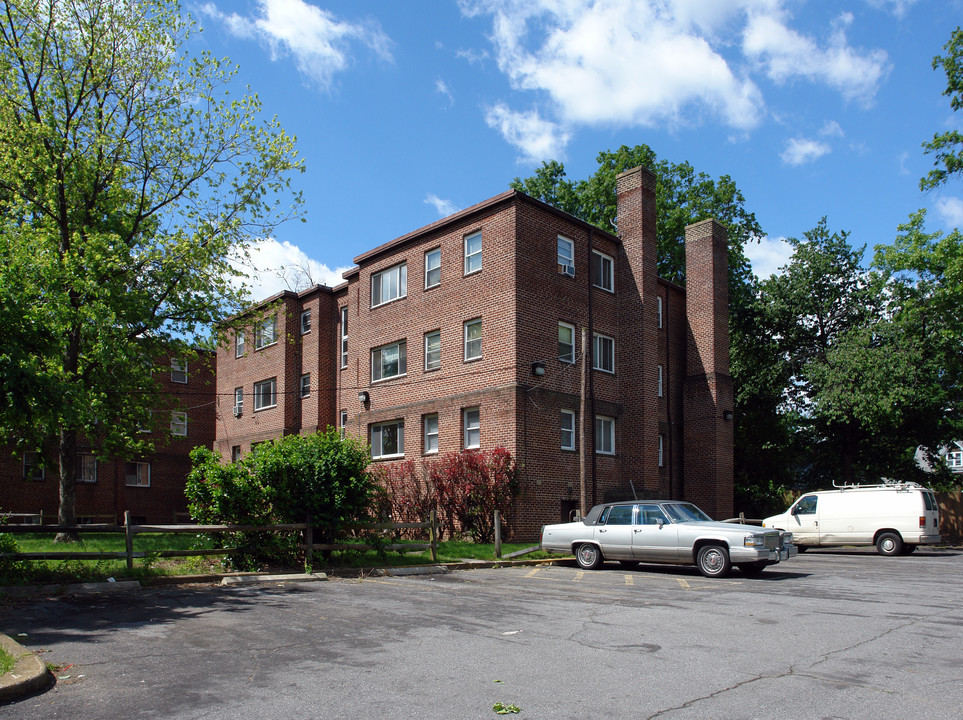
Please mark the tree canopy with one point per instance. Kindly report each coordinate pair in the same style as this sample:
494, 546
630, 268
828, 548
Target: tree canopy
129, 177
947, 147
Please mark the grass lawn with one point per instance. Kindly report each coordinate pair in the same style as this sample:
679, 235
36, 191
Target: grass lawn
80, 570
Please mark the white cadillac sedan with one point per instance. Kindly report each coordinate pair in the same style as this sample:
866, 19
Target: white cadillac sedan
667, 531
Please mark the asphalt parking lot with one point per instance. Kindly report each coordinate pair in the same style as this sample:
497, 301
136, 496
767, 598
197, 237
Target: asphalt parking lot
830, 634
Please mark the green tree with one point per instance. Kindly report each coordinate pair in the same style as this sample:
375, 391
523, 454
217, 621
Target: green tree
947, 147
128, 179
855, 382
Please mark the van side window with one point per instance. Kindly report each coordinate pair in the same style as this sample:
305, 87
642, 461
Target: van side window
929, 501
805, 506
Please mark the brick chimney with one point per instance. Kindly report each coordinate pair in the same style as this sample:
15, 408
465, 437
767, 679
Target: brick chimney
637, 354
708, 392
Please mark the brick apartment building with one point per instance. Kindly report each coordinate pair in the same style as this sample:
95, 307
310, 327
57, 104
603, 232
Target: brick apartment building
468, 333
150, 487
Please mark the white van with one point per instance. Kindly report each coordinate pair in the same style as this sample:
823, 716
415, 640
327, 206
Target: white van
894, 517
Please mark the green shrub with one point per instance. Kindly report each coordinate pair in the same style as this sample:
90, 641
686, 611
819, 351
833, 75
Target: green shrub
283, 481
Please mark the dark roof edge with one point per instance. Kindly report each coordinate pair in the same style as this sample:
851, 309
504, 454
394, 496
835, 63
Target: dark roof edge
501, 198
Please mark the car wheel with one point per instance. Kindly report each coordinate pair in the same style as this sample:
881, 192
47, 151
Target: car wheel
713, 561
629, 564
802, 548
889, 543
909, 549
588, 556
752, 569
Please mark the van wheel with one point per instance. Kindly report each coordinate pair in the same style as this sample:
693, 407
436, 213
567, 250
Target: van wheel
889, 543
588, 556
908, 549
713, 561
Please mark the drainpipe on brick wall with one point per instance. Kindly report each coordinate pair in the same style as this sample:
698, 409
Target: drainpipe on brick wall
583, 490
591, 373
667, 450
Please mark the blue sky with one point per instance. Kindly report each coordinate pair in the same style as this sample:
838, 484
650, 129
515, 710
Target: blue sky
408, 110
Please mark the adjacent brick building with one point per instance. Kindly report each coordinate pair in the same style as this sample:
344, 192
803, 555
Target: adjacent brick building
469, 333
150, 487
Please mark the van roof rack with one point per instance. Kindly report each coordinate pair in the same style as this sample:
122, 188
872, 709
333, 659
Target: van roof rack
887, 483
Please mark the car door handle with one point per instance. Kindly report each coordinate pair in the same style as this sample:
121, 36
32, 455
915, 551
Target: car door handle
638, 530
602, 530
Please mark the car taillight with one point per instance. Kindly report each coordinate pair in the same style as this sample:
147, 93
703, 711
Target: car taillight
922, 522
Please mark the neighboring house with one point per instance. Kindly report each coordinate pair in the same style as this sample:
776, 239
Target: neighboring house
150, 487
953, 456
468, 333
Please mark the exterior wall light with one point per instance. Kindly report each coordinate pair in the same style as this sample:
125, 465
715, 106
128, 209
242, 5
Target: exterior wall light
538, 369
727, 414
363, 397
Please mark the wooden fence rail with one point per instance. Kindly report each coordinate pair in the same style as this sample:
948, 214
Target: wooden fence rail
129, 531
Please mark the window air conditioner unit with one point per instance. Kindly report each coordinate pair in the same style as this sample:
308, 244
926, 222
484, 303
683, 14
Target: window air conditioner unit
237, 410
566, 270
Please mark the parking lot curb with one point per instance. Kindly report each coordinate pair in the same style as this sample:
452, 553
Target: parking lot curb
253, 579
28, 675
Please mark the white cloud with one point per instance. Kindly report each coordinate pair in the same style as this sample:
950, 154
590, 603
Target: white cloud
316, 38
441, 87
273, 266
899, 8
443, 207
950, 209
537, 138
622, 61
832, 129
803, 150
768, 256
786, 55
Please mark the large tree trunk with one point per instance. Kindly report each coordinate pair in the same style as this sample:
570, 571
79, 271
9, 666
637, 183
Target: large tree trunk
67, 514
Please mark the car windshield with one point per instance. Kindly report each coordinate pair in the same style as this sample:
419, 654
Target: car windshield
685, 512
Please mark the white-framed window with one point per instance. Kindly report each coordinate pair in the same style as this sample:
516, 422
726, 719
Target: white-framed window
266, 333
305, 322
86, 468
433, 350
602, 271
235, 453
389, 361
179, 371
432, 268
32, 469
659, 382
472, 422
954, 459
389, 284
305, 385
568, 429
473, 339
238, 401
344, 419
661, 450
239, 344
388, 439
137, 474
344, 337
604, 435
179, 424
148, 425
473, 253
603, 353
430, 424
265, 394
658, 307
566, 256
566, 342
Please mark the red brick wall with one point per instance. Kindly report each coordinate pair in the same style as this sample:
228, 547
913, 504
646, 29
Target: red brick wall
708, 388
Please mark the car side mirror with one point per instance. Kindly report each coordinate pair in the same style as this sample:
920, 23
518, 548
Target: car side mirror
794, 511
660, 522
